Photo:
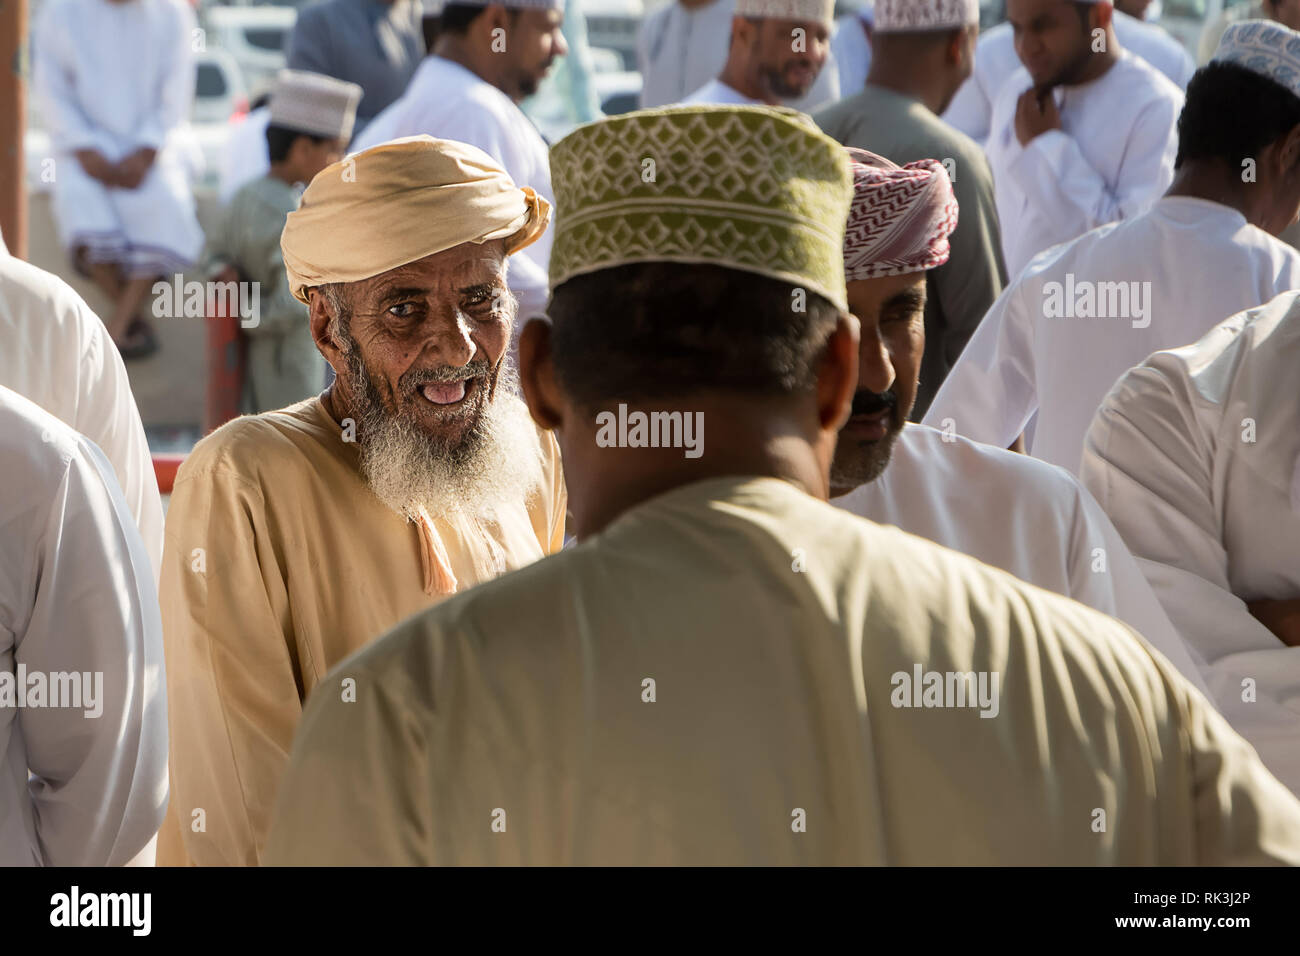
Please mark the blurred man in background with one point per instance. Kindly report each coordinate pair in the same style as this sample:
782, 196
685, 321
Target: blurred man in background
376, 44
778, 49
685, 44
1082, 135
487, 59
1084, 312
116, 79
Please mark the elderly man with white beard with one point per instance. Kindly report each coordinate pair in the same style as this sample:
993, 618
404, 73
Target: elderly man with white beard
297, 536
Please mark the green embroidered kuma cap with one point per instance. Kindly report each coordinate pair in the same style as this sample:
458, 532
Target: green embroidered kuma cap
752, 188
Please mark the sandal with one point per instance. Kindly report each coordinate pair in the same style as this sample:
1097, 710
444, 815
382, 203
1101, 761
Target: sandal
141, 341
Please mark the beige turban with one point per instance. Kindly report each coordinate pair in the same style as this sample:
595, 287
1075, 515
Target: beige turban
399, 202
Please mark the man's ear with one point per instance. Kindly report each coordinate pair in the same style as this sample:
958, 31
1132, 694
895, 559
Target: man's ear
318, 318
837, 374
496, 16
537, 374
741, 32
1101, 15
1288, 151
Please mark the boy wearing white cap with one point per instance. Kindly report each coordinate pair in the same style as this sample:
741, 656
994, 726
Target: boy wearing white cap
311, 122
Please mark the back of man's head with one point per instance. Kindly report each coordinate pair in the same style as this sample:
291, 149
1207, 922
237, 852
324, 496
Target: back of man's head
663, 330
1232, 113
698, 264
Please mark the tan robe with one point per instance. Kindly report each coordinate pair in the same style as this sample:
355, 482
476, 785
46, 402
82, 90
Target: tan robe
278, 563
717, 678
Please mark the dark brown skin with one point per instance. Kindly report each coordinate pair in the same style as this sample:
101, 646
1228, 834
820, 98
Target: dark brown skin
533, 43
447, 309
791, 438
891, 310
1281, 617
928, 69
128, 173
1056, 48
763, 64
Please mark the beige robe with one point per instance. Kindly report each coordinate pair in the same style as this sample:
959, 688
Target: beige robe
278, 563
719, 678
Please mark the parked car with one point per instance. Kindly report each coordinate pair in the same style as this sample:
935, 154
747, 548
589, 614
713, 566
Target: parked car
612, 25
1187, 19
255, 36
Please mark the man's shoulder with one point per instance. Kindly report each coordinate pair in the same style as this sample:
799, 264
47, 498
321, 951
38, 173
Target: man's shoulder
252, 448
263, 197
1146, 85
38, 305
1021, 480
897, 125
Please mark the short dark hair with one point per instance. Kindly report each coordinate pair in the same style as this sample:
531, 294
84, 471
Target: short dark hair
279, 140
1231, 113
661, 329
456, 17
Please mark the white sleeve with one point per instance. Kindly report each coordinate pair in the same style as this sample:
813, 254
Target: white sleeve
1149, 462
108, 416
1104, 575
53, 77
175, 96
990, 393
1069, 195
98, 781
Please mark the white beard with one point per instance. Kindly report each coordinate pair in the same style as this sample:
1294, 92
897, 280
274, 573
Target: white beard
499, 465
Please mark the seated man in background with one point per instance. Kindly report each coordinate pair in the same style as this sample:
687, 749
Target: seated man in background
83, 708
311, 123
296, 537
1021, 515
726, 669
116, 82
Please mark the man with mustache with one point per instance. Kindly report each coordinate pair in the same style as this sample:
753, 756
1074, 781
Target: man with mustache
921, 52
711, 676
1082, 135
488, 58
1013, 512
777, 51
297, 536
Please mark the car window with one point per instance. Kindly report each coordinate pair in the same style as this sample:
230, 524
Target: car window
210, 81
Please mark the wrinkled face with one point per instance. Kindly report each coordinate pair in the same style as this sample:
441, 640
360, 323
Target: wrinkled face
789, 54
892, 311
422, 373
1052, 40
533, 43
430, 337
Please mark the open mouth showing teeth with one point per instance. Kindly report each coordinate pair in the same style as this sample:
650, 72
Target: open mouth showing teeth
446, 393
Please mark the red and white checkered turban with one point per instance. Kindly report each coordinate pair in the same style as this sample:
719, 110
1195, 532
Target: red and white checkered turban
900, 219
